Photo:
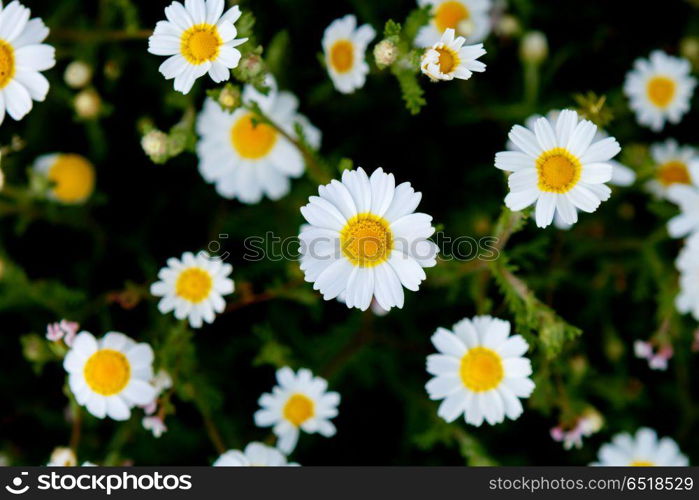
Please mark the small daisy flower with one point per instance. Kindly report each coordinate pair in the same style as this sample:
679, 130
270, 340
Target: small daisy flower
480, 371
193, 287
300, 401
687, 300
363, 240
687, 199
63, 330
449, 58
344, 46
659, 89
642, 450
468, 18
72, 177
255, 455
110, 376
247, 159
22, 57
199, 38
558, 167
674, 164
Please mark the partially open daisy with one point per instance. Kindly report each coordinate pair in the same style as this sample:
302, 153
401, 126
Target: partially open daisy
468, 18
558, 167
193, 287
480, 371
300, 402
344, 46
687, 300
22, 57
71, 176
246, 158
110, 376
642, 450
363, 240
199, 38
674, 164
659, 89
255, 455
449, 58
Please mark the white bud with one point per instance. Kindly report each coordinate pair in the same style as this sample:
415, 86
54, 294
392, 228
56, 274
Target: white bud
507, 26
63, 457
154, 143
77, 74
87, 104
534, 47
385, 53
465, 28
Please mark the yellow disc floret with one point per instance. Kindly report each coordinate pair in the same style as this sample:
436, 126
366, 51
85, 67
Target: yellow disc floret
559, 170
7, 63
194, 284
107, 372
449, 15
366, 240
251, 138
481, 369
342, 56
200, 43
73, 178
298, 409
661, 91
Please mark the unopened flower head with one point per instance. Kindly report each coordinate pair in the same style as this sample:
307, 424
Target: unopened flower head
534, 47
450, 58
71, 177
155, 144
77, 74
62, 456
88, 104
344, 45
385, 53
254, 455
468, 18
643, 449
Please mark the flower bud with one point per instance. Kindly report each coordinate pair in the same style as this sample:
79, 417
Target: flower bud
385, 53
229, 98
534, 47
77, 74
154, 144
63, 457
87, 104
508, 26
465, 28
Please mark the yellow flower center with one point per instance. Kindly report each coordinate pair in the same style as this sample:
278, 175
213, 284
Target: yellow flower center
194, 284
7, 63
342, 56
559, 171
673, 172
448, 60
107, 372
298, 409
73, 178
481, 369
449, 15
366, 240
200, 43
641, 463
661, 90
252, 139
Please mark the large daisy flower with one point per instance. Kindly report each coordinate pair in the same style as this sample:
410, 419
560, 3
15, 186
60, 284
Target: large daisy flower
469, 18
642, 450
199, 38
245, 158
110, 376
22, 57
480, 371
558, 167
674, 164
300, 402
345, 46
659, 89
363, 240
687, 300
71, 176
449, 58
255, 455
193, 287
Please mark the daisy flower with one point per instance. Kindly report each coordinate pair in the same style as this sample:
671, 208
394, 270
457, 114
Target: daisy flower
344, 46
72, 177
642, 450
687, 199
363, 240
469, 18
247, 159
193, 287
22, 57
674, 164
198, 38
255, 455
659, 89
687, 300
449, 58
110, 376
300, 401
558, 167
480, 371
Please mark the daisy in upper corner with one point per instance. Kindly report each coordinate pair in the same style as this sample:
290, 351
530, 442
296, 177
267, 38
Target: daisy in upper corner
71, 177
687, 301
449, 59
111, 375
300, 401
193, 287
199, 38
558, 166
248, 159
642, 450
659, 89
344, 46
480, 371
22, 57
255, 455
468, 18
674, 164
363, 240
